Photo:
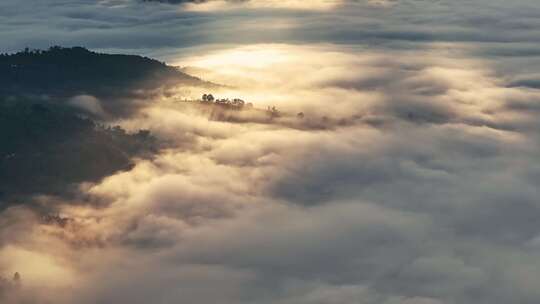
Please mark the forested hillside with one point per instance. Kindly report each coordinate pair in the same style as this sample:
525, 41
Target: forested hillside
47, 145
66, 72
47, 148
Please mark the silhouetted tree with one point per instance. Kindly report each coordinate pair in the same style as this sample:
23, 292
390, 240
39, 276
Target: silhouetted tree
17, 279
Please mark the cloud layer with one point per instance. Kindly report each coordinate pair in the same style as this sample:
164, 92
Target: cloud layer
410, 178
427, 196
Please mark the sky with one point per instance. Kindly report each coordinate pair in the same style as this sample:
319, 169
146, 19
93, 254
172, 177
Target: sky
412, 177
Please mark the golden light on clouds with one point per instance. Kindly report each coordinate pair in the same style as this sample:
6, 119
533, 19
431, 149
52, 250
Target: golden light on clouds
280, 74
37, 269
254, 56
217, 5
220, 177
330, 151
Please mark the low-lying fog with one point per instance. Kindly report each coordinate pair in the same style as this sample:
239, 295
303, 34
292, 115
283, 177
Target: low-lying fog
382, 177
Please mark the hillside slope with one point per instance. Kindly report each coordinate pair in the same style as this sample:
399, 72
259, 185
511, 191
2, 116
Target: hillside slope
62, 73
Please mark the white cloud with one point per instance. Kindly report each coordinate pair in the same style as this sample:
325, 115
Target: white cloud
410, 180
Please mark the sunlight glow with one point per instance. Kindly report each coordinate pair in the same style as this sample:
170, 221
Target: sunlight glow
254, 56
37, 269
220, 5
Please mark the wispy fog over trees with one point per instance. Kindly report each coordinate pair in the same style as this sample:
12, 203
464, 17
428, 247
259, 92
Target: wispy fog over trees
51, 141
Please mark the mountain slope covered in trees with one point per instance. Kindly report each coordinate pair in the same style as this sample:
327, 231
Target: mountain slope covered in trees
66, 72
47, 146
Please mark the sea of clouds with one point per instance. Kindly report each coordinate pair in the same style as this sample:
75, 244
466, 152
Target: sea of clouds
412, 177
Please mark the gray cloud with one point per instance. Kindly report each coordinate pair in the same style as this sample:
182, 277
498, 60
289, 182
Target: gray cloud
132, 25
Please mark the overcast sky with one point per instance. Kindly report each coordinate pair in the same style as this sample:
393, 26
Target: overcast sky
412, 179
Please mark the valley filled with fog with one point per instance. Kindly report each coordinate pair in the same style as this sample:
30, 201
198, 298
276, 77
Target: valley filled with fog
398, 165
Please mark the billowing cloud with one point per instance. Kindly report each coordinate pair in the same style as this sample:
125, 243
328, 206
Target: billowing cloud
159, 29
423, 196
410, 177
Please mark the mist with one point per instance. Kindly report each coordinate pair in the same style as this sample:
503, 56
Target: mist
372, 167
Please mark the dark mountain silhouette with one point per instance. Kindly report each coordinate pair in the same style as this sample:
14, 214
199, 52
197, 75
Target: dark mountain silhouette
66, 72
48, 146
